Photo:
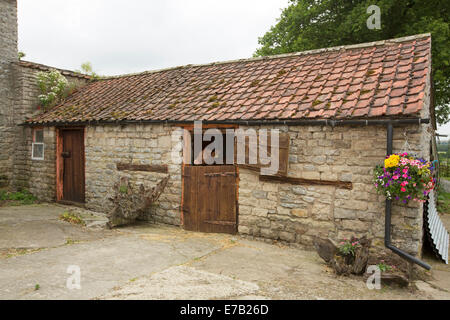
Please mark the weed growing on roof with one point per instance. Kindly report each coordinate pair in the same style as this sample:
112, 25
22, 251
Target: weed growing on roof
370, 72
86, 68
254, 83
212, 99
173, 105
316, 102
363, 92
118, 114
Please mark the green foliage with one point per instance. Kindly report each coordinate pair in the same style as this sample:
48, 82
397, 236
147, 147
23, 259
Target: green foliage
347, 247
312, 24
23, 197
404, 177
385, 267
86, 68
443, 201
123, 189
53, 87
21, 55
37, 287
72, 218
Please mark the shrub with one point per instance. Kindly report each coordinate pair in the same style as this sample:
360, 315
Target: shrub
52, 85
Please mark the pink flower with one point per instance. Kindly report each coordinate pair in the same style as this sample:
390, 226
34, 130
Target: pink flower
403, 189
405, 170
415, 184
396, 177
404, 183
405, 176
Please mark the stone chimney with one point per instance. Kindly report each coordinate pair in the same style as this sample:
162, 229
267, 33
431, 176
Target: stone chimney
8, 57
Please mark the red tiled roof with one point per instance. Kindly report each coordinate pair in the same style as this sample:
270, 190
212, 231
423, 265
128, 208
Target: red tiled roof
373, 80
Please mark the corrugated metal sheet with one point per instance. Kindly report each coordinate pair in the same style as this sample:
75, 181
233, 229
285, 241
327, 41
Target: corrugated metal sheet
435, 229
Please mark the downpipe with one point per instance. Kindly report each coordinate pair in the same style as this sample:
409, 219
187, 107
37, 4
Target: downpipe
388, 214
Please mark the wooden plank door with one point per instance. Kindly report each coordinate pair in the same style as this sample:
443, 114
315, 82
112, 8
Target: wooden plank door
73, 165
209, 199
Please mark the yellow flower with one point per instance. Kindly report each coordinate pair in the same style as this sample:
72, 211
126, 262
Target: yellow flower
392, 161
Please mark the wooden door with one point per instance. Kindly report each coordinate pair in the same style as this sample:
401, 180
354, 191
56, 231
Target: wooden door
210, 199
73, 165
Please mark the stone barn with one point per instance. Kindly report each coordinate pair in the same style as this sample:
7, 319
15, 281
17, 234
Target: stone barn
339, 111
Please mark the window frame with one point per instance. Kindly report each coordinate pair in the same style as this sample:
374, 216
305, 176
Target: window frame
34, 143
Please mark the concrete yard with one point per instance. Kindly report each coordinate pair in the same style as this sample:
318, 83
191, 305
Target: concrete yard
148, 261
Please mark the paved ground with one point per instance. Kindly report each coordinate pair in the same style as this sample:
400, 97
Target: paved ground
161, 262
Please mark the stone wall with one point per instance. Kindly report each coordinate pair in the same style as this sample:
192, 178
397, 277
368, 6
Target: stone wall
297, 213
278, 211
137, 144
8, 55
25, 106
38, 176
18, 101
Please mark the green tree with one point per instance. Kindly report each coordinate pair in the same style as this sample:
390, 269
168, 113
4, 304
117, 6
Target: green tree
86, 68
312, 24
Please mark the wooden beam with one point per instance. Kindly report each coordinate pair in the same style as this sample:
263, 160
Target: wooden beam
297, 181
143, 167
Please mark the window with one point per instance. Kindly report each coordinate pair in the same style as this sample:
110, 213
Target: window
37, 150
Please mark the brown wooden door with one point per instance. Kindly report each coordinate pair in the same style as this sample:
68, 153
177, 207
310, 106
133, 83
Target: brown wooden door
73, 165
209, 199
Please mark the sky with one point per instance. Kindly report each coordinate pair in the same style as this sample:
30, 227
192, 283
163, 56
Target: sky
120, 37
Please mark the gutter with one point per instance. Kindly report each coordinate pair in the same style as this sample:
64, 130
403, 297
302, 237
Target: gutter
287, 122
388, 211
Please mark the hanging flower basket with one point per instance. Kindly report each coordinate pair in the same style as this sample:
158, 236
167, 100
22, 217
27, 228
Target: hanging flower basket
404, 177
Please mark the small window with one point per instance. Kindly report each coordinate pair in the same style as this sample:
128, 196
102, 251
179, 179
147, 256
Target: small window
37, 151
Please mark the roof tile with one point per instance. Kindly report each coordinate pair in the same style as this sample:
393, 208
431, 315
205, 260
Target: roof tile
386, 79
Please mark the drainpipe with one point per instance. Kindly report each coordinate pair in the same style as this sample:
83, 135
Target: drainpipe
388, 211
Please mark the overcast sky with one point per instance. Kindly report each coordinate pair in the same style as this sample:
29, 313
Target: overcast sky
120, 37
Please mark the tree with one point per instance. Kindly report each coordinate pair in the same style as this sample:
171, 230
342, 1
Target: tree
86, 68
312, 24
